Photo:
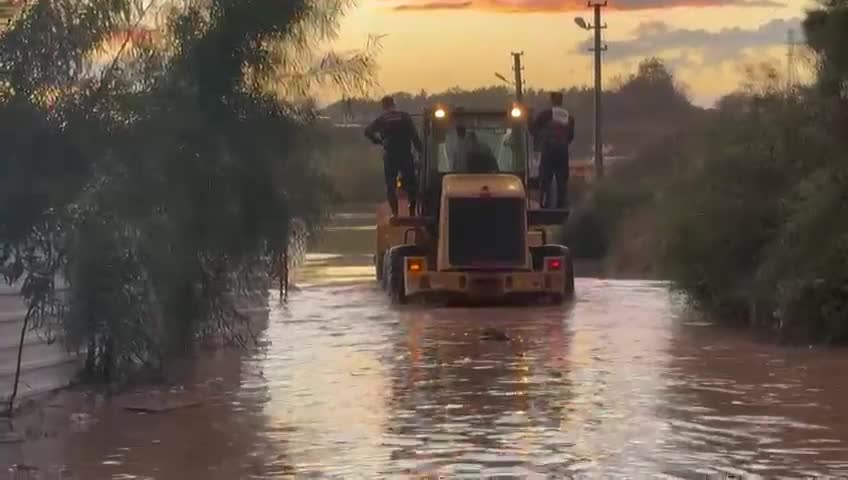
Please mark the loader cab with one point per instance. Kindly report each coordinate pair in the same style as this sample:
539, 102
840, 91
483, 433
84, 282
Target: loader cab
502, 132
506, 134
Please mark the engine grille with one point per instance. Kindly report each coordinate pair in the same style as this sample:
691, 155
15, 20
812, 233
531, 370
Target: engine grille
486, 232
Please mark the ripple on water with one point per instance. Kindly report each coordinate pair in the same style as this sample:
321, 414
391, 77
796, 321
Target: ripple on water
350, 387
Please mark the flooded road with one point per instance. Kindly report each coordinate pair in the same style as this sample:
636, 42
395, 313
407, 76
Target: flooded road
621, 383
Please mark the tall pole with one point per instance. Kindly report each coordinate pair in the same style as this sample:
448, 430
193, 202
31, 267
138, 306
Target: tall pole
598, 49
519, 88
518, 139
790, 61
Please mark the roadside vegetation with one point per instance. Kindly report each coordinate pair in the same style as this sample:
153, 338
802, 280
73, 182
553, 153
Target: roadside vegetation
352, 166
153, 157
757, 229
744, 207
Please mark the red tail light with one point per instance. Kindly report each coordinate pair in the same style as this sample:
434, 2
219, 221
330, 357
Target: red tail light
553, 264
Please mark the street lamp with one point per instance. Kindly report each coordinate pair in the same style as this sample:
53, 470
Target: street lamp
503, 79
581, 23
597, 27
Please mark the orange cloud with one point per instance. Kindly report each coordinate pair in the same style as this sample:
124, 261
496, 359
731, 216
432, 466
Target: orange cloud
537, 6
446, 5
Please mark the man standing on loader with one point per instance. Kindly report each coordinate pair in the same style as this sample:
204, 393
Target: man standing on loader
553, 130
396, 132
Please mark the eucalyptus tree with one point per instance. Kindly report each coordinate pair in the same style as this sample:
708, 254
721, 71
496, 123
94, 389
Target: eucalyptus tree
154, 154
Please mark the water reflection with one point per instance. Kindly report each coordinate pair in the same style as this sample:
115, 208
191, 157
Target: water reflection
622, 383
463, 403
327, 370
743, 407
219, 439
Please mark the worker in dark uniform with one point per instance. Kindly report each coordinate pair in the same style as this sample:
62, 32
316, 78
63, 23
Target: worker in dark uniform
553, 130
458, 155
396, 132
479, 157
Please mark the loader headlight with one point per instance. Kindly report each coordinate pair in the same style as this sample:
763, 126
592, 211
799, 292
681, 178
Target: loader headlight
516, 112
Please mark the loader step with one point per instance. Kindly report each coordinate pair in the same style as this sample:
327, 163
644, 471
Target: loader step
412, 221
547, 216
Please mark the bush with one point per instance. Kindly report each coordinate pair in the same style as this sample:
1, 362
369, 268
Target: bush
629, 187
756, 231
163, 184
587, 234
751, 200
353, 167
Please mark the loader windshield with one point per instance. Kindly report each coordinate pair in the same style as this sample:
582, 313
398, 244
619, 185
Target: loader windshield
506, 143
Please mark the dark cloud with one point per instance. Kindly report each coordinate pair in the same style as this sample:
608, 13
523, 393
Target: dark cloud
653, 37
531, 6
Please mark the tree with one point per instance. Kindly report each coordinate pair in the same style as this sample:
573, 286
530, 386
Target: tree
651, 89
758, 228
826, 29
158, 180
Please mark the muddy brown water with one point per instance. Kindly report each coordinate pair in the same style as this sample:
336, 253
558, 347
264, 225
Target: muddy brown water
622, 383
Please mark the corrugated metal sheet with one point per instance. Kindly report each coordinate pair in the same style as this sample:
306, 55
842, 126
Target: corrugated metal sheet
48, 366
45, 366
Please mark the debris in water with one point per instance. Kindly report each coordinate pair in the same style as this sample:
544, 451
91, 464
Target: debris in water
81, 421
490, 333
161, 401
153, 405
23, 468
11, 437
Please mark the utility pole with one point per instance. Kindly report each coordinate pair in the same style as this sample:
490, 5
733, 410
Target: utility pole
517, 68
790, 61
518, 144
348, 111
598, 49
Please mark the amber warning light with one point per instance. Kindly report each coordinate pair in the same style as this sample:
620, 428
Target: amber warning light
415, 264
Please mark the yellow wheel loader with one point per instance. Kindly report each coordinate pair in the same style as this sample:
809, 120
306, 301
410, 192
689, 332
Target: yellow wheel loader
475, 236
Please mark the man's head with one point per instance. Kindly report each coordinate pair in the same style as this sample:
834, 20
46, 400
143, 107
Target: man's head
460, 131
388, 103
556, 99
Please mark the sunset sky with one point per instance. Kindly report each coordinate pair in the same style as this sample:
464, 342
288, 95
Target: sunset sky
437, 44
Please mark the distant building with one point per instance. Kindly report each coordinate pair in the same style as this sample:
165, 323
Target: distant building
581, 168
585, 167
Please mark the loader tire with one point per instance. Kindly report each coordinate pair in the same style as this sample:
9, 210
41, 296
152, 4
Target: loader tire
378, 267
384, 281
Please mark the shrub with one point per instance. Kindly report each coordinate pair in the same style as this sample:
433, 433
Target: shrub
165, 181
